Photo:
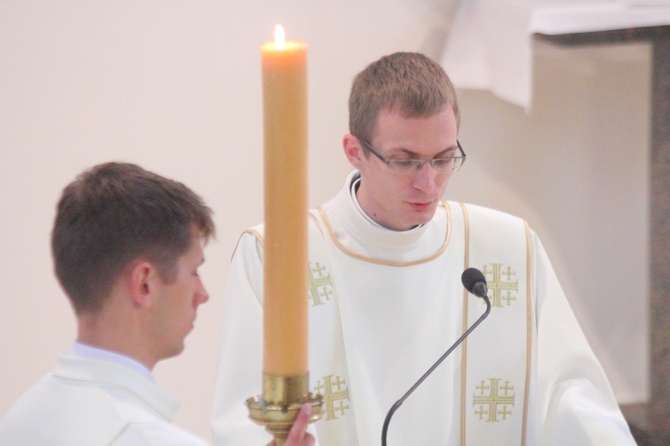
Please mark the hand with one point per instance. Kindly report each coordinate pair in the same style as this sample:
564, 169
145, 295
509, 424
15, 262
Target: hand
298, 436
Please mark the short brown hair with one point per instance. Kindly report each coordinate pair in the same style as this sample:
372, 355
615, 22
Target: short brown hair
114, 213
409, 83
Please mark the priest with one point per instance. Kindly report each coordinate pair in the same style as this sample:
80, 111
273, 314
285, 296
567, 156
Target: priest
385, 260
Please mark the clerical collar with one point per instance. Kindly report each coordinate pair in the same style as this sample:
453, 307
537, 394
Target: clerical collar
88, 351
354, 188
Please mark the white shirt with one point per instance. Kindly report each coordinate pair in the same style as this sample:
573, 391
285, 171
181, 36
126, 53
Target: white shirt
87, 351
94, 398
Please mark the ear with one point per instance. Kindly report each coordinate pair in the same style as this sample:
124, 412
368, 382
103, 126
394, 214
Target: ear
143, 277
353, 150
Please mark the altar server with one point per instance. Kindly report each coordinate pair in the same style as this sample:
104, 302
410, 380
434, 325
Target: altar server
126, 245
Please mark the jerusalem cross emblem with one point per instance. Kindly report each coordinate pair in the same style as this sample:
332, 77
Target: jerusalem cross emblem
320, 284
335, 396
503, 284
492, 401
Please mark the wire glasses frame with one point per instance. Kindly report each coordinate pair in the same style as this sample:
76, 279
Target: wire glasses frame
410, 166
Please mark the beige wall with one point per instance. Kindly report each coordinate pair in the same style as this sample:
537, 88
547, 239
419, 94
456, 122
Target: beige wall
175, 87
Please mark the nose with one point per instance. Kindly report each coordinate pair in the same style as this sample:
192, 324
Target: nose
424, 179
201, 295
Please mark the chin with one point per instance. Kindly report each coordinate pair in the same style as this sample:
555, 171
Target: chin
176, 350
422, 218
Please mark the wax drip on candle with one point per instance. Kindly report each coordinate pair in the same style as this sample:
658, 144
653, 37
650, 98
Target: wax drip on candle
280, 37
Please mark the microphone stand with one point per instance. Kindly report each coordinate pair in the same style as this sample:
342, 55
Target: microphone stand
439, 361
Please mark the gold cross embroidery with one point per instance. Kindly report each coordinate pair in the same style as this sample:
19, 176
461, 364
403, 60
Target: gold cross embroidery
502, 282
493, 402
335, 396
320, 285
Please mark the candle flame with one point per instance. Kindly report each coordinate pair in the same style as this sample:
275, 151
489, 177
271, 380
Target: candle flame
280, 37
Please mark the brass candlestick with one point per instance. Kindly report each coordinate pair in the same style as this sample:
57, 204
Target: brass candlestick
278, 406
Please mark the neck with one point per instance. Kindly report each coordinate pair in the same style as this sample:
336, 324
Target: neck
114, 334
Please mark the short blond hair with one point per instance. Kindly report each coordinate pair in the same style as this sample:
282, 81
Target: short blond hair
405, 82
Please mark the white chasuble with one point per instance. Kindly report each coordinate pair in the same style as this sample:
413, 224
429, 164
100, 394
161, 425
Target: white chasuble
394, 329
385, 305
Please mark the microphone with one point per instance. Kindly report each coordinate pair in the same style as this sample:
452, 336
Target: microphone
474, 281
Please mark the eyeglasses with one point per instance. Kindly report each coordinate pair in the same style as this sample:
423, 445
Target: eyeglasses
441, 166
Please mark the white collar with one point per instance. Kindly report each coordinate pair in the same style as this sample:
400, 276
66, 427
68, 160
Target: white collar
354, 188
88, 351
354, 233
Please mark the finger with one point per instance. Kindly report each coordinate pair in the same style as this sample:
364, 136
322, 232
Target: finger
308, 441
299, 427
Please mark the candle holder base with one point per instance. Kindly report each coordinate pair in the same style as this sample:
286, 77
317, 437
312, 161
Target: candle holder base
278, 406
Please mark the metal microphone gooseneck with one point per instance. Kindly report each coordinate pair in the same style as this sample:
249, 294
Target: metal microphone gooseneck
475, 282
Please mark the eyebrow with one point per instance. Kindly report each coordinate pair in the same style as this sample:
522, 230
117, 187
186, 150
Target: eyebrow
416, 155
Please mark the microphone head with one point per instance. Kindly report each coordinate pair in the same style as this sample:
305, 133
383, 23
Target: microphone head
475, 282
